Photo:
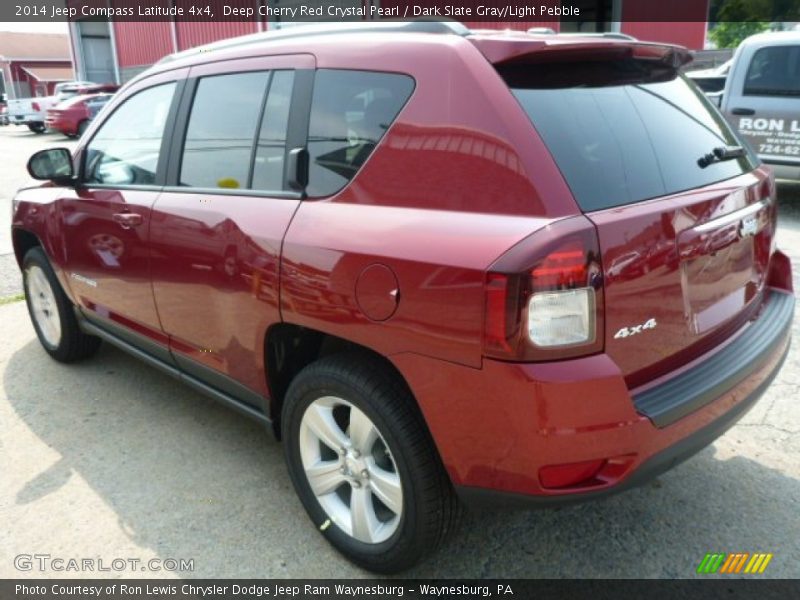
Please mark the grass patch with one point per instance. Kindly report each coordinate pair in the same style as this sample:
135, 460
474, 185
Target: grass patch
11, 299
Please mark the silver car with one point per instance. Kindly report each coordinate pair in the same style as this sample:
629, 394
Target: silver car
762, 99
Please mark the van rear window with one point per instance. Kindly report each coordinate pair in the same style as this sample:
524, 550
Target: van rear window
623, 131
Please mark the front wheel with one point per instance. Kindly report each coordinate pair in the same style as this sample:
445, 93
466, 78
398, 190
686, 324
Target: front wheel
51, 311
364, 465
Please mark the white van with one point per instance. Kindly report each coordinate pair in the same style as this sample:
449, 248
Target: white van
762, 98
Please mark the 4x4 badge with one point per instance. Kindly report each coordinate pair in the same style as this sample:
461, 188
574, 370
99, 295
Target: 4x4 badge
629, 331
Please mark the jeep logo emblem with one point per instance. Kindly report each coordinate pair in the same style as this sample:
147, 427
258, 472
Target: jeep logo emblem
748, 226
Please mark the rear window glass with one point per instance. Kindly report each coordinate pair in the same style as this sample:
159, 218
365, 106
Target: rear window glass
350, 112
774, 71
623, 132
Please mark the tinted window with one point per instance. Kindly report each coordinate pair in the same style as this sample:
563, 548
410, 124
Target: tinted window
271, 149
222, 128
126, 148
350, 112
621, 132
774, 71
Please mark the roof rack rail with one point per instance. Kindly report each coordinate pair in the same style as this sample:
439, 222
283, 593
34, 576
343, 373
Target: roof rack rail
614, 35
422, 25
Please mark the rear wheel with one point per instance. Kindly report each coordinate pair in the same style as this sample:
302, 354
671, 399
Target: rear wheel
82, 126
37, 127
52, 313
363, 463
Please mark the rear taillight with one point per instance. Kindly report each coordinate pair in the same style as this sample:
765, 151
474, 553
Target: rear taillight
544, 297
35, 106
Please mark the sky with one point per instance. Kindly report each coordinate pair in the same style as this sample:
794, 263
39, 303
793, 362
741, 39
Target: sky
29, 26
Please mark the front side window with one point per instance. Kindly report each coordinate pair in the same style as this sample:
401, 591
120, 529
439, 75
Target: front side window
126, 148
222, 127
350, 112
774, 71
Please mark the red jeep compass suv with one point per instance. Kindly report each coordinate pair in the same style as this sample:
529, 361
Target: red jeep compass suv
444, 265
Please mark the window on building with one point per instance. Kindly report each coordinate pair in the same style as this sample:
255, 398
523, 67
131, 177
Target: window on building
350, 112
125, 150
221, 131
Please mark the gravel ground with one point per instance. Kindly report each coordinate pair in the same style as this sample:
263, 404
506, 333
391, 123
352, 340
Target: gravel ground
112, 459
10, 279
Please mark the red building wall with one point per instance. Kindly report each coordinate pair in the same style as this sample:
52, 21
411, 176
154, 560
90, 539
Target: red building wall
687, 25
191, 34
692, 35
141, 43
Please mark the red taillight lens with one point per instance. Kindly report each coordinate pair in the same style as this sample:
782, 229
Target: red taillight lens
544, 297
35, 106
496, 317
562, 269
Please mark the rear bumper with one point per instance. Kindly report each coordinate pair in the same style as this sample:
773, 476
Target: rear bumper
706, 381
649, 469
25, 119
497, 427
59, 124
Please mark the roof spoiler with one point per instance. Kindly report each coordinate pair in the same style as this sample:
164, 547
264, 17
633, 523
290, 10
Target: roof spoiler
560, 49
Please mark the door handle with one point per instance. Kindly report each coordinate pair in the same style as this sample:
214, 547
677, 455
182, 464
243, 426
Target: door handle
127, 220
743, 111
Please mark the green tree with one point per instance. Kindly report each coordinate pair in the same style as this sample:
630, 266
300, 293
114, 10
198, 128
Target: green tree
730, 34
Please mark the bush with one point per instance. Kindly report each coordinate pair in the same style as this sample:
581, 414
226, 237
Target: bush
731, 34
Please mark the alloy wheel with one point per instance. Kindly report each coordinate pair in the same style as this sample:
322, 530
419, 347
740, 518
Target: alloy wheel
350, 470
43, 303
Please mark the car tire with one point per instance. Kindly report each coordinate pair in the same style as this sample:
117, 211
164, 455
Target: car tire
37, 127
52, 313
82, 127
328, 399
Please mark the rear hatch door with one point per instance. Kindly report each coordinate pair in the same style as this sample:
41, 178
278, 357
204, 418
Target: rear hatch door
685, 233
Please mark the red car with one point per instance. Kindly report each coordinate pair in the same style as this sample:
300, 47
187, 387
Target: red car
445, 266
72, 116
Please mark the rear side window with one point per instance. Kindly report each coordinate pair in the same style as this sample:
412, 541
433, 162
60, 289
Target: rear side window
623, 132
271, 149
774, 71
350, 112
126, 148
221, 130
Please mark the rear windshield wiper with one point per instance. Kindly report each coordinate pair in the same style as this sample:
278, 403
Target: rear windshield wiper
719, 154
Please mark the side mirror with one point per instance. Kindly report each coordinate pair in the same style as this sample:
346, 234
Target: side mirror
53, 164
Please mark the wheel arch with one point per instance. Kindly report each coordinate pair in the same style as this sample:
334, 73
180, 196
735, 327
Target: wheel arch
22, 241
289, 348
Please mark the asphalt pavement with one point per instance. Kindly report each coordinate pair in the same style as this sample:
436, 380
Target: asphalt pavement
111, 459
